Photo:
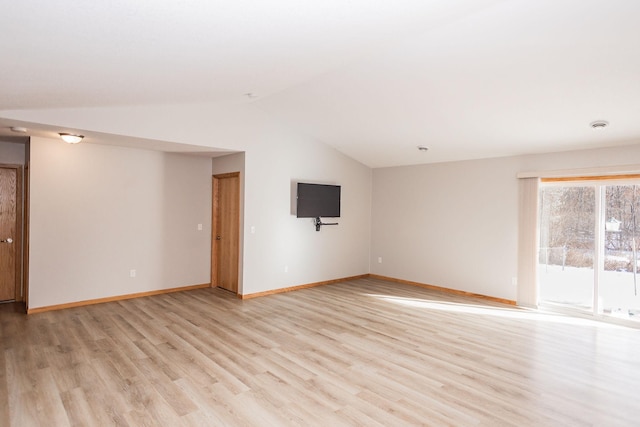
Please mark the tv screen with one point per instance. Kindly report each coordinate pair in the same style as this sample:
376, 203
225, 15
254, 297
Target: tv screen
316, 200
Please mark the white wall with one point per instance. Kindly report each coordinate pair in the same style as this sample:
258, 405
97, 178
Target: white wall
274, 157
455, 224
99, 211
452, 225
285, 251
283, 241
447, 225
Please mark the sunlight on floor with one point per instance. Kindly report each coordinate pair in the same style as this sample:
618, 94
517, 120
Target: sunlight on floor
512, 313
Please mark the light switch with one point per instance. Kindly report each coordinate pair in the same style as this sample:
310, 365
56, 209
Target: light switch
199, 227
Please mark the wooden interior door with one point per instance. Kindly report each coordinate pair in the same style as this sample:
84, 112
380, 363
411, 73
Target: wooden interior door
10, 232
226, 231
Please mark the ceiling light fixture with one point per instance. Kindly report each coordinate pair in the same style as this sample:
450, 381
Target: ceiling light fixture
599, 124
70, 138
19, 129
423, 148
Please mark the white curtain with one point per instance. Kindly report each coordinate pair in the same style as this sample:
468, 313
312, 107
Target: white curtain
528, 242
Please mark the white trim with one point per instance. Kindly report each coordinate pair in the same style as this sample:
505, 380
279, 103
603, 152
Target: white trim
599, 243
595, 171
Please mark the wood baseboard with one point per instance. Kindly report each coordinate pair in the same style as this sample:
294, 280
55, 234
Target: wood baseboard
114, 298
265, 293
295, 288
376, 276
441, 289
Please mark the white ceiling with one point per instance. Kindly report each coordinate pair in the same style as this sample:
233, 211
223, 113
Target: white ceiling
375, 79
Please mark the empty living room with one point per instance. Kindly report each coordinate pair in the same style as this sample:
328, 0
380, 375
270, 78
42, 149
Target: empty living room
288, 213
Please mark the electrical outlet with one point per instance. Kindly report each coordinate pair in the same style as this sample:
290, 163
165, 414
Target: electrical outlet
514, 281
132, 273
379, 260
199, 227
286, 268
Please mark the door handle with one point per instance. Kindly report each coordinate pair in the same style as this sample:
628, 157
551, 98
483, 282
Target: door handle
218, 238
7, 240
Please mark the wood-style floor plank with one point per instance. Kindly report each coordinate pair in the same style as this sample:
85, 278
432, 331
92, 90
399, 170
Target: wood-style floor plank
363, 352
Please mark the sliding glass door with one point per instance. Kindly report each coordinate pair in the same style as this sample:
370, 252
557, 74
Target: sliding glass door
567, 246
618, 284
589, 241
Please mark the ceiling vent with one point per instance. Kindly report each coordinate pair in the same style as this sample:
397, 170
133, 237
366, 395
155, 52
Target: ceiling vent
599, 124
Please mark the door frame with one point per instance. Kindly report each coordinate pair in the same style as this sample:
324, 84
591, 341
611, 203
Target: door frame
20, 256
25, 234
215, 212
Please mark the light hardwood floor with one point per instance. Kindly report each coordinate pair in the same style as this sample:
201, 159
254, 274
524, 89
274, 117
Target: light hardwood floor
364, 352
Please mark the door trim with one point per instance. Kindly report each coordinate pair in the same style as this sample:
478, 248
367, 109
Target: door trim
19, 257
214, 220
25, 234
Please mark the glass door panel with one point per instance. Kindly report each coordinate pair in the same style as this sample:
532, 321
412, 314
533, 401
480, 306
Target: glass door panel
567, 246
618, 283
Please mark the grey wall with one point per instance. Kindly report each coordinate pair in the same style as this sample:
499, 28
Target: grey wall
12, 153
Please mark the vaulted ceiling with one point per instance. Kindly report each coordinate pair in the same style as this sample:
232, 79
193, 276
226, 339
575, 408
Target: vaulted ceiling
375, 79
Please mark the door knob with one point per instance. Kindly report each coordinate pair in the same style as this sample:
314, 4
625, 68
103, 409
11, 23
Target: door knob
8, 240
218, 238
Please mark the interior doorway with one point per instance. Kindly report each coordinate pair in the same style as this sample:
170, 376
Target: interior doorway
10, 233
225, 231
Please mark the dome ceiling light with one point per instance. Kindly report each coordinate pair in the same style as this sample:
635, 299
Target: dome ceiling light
71, 138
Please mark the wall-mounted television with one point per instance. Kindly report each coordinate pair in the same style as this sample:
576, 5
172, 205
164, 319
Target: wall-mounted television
318, 200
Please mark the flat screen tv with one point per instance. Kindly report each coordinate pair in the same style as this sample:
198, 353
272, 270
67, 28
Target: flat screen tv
318, 200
